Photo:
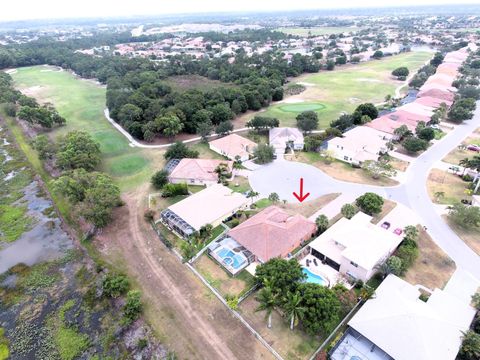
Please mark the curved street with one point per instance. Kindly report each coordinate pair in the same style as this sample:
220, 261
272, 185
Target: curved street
283, 177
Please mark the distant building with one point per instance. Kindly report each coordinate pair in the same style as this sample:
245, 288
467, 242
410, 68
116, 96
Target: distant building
197, 171
395, 324
233, 146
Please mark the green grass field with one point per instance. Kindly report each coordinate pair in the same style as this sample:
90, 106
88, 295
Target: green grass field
314, 31
330, 93
82, 103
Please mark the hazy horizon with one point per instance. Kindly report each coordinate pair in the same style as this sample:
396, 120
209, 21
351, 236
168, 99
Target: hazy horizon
56, 9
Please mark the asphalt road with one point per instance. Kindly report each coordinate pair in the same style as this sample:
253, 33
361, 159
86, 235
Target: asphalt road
283, 177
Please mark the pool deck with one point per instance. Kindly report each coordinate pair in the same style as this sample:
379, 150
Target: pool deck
331, 275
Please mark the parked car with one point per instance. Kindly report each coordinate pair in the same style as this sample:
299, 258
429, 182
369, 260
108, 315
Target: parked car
398, 231
436, 127
473, 147
386, 225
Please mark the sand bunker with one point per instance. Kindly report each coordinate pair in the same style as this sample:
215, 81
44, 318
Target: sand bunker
305, 84
369, 80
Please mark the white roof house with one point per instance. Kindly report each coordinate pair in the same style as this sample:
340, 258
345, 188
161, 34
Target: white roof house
233, 146
396, 324
354, 247
211, 205
279, 138
359, 144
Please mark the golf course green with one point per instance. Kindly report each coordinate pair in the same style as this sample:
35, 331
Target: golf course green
330, 93
82, 103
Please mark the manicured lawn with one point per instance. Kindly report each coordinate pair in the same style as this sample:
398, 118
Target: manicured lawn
452, 187
216, 231
82, 103
433, 268
239, 184
324, 30
343, 89
204, 152
341, 170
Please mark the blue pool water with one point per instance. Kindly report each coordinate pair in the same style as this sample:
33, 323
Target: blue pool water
314, 278
230, 258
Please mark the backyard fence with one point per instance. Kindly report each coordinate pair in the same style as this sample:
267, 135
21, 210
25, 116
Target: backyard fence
235, 313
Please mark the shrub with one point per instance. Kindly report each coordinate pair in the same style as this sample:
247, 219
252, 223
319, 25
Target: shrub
395, 264
170, 190
160, 179
115, 285
401, 71
133, 306
263, 154
408, 255
179, 151
348, 210
370, 203
149, 215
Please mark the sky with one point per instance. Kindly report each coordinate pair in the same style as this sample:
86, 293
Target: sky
50, 9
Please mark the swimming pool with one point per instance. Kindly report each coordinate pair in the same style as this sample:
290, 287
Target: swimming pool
314, 278
230, 258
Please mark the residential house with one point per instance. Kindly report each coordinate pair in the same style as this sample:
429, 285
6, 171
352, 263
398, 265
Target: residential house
197, 171
355, 247
395, 324
271, 233
211, 205
282, 137
358, 145
233, 146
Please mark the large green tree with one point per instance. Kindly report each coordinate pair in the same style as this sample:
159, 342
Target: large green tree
321, 308
307, 121
94, 194
370, 203
281, 274
78, 150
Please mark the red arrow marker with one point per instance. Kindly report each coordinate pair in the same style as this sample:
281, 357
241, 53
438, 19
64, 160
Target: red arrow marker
301, 197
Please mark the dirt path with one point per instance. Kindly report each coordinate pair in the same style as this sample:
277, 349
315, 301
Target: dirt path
187, 317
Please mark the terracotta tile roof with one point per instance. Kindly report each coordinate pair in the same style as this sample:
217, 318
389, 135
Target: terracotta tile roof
437, 93
200, 169
433, 101
273, 233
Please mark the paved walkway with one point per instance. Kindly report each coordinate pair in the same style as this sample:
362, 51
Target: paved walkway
283, 178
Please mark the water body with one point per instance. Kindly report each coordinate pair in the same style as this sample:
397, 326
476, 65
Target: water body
44, 239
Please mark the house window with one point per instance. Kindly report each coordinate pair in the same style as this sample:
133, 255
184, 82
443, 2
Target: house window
345, 158
354, 264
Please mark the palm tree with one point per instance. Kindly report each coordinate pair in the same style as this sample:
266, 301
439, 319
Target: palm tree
268, 302
293, 308
252, 195
465, 163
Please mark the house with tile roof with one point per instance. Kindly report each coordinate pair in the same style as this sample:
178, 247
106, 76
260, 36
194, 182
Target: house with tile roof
197, 171
395, 324
233, 146
271, 233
